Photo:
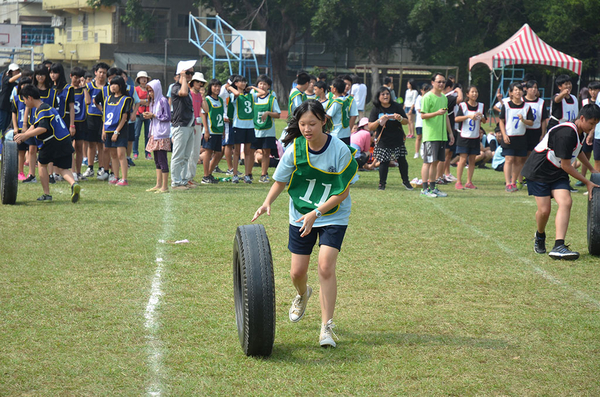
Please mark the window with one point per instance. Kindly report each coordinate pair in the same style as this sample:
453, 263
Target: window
183, 20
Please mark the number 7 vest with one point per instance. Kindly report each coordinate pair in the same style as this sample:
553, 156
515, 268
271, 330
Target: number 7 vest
514, 126
310, 187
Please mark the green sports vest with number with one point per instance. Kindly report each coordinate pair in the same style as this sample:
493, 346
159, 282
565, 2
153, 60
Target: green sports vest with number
230, 110
259, 110
244, 107
293, 96
346, 111
215, 115
310, 187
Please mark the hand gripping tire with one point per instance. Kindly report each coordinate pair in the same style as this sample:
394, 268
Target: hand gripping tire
9, 181
593, 225
254, 290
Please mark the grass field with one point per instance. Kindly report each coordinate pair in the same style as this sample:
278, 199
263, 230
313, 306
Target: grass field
436, 296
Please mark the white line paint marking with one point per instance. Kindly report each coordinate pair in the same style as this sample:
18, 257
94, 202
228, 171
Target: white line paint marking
543, 273
152, 323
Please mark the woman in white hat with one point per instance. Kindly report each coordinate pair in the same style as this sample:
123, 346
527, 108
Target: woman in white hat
142, 91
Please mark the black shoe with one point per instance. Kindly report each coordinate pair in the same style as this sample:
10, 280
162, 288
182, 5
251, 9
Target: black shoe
45, 197
563, 252
407, 185
51, 179
130, 162
539, 245
381, 186
572, 190
75, 189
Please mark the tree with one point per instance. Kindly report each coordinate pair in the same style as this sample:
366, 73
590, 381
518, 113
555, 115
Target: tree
285, 21
134, 16
370, 27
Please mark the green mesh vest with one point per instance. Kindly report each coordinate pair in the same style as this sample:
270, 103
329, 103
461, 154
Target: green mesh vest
310, 187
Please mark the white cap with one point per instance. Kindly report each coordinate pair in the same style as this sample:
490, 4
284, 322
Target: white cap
13, 67
185, 65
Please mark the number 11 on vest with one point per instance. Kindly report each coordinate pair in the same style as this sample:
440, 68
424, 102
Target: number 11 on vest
309, 191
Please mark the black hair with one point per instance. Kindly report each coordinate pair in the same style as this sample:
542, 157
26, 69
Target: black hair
62, 80
376, 101
30, 91
323, 75
426, 87
590, 112
387, 80
449, 84
42, 70
118, 80
238, 79
22, 83
346, 77
88, 75
594, 85
531, 83
77, 71
562, 79
303, 78
471, 86
528, 77
300, 72
27, 73
263, 78
412, 84
436, 75
310, 105
339, 85
513, 85
124, 72
312, 77
322, 85
356, 79
46, 62
210, 85
114, 71
451, 77
101, 65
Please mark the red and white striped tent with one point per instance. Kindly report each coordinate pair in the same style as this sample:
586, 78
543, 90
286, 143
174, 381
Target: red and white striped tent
526, 48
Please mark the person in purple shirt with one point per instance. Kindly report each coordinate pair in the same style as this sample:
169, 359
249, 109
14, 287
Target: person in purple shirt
159, 114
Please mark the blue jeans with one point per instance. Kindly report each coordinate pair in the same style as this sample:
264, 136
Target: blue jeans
139, 120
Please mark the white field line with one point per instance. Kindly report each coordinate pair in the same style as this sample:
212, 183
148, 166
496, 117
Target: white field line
152, 324
508, 251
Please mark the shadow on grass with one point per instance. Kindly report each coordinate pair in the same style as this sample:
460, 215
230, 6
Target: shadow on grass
352, 346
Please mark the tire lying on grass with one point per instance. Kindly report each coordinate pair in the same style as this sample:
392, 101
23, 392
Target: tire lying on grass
9, 182
254, 290
593, 225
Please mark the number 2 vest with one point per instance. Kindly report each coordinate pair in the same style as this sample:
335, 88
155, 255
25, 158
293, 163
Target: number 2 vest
550, 155
113, 112
216, 112
310, 187
469, 128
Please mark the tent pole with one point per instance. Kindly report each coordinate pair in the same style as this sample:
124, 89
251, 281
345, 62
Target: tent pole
469, 78
578, 87
491, 96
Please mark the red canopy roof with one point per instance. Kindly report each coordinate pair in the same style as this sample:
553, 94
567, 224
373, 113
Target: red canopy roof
525, 47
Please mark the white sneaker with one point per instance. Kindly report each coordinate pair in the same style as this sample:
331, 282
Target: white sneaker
102, 175
112, 179
58, 177
327, 334
88, 173
75, 178
450, 178
299, 305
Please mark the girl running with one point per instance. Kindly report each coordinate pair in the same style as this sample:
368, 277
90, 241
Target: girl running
469, 117
319, 170
159, 114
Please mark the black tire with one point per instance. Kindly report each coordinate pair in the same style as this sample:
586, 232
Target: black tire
254, 290
9, 182
593, 225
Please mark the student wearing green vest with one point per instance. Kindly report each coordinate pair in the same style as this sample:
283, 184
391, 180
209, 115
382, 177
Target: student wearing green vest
318, 170
213, 119
266, 109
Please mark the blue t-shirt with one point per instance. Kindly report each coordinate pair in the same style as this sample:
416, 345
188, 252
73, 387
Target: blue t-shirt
334, 156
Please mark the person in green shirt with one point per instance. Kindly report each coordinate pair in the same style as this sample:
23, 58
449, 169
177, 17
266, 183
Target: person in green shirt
436, 131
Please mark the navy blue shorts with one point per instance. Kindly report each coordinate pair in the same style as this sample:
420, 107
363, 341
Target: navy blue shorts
467, 150
542, 189
514, 152
269, 142
419, 130
597, 149
131, 130
120, 142
533, 138
243, 135
80, 131
214, 142
331, 236
94, 129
